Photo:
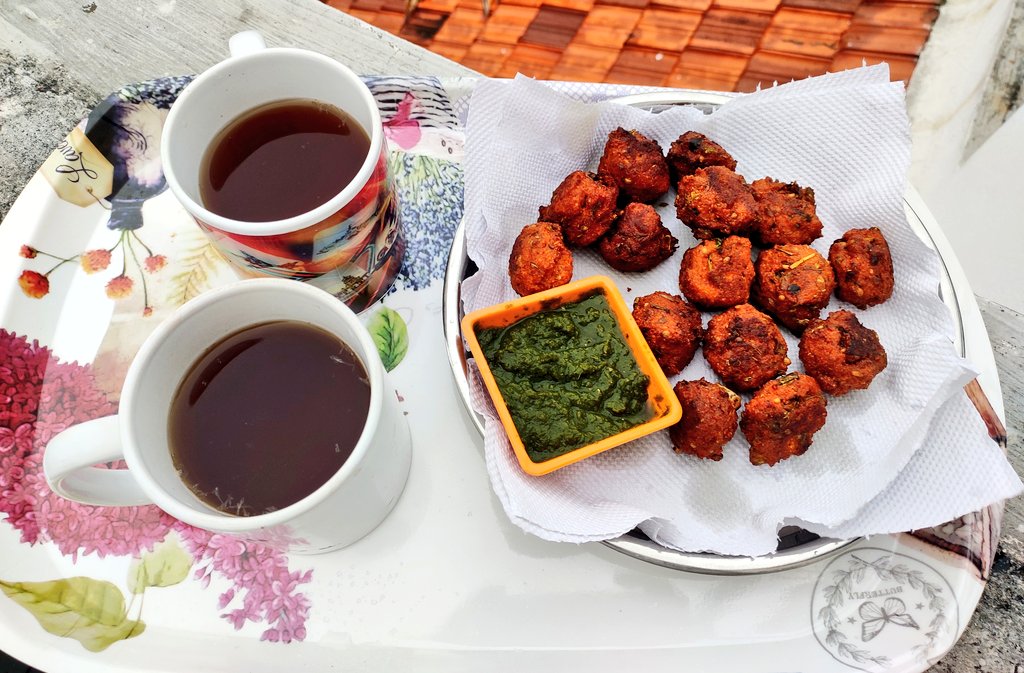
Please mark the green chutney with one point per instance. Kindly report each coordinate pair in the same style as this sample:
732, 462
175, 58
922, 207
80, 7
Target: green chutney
567, 377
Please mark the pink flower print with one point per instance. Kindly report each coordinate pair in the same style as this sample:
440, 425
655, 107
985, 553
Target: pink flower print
38, 408
261, 580
225, 598
19, 439
28, 252
402, 129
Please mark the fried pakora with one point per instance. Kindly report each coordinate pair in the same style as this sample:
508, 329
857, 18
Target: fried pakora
716, 202
717, 273
745, 348
693, 150
709, 419
540, 259
841, 353
782, 417
793, 283
635, 164
671, 327
786, 213
863, 266
639, 241
584, 206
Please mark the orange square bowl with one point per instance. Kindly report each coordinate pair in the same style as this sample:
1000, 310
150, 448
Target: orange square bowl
661, 400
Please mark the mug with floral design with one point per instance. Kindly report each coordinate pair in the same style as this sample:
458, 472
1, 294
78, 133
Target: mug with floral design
352, 245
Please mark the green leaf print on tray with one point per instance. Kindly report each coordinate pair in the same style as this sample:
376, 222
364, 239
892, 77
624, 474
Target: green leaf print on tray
166, 565
93, 612
390, 336
90, 611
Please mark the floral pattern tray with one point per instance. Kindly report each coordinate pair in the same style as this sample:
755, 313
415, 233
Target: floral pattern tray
96, 252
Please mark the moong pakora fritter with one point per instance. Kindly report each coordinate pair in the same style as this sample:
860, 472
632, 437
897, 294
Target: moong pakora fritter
634, 163
786, 213
583, 206
745, 348
793, 283
863, 267
709, 419
717, 273
715, 202
693, 150
782, 417
841, 353
540, 259
638, 241
671, 327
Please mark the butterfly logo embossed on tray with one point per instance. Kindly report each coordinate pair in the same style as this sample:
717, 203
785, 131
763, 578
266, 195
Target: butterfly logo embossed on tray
892, 611
879, 610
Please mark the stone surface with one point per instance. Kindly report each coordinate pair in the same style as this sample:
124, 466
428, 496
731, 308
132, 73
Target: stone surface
39, 104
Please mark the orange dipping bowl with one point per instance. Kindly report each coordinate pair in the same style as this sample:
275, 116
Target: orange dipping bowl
663, 408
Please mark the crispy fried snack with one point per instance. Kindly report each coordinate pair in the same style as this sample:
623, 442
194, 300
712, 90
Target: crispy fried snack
793, 283
745, 348
781, 419
786, 213
716, 202
583, 206
863, 267
539, 259
693, 150
634, 163
671, 327
717, 273
639, 242
841, 353
709, 419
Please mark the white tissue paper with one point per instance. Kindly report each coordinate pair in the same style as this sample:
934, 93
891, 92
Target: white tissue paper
910, 452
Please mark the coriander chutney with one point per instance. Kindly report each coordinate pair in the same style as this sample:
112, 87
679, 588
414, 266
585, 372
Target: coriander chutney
567, 376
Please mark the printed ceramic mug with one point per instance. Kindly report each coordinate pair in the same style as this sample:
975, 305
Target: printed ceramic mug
351, 245
347, 506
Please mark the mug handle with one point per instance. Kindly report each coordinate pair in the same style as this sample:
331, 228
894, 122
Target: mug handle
246, 42
69, 459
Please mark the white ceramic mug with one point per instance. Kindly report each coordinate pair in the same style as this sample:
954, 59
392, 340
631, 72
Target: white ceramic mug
348, 506
352, 245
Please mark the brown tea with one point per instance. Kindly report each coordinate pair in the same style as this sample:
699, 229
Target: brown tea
266, 416
281, 160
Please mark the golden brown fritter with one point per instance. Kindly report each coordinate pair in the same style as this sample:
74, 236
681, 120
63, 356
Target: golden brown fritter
693, 150
863, 267
539, 259
793, 283
635, 164
671, 327
786, 213
709, 419
745, 348
782, 417
717, 273
841, 353
716, 202
584, 207
639, 241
